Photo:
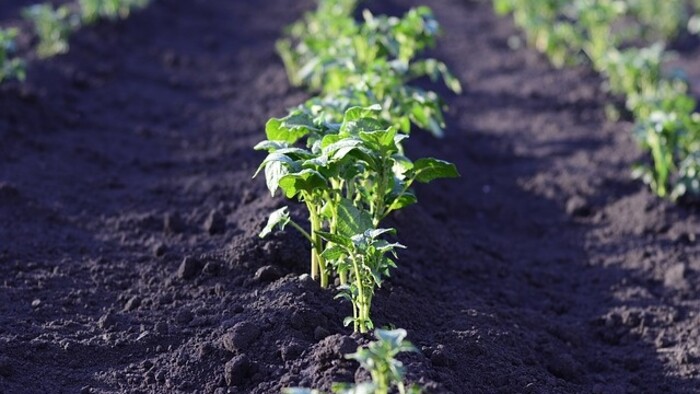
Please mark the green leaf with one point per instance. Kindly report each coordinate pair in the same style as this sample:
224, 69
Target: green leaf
333, 252
344, 295
451, 81
296, 153
278, 218
276, 166
271, 146
306, 180
274, 172
355, 113
402, 165
378, 232
381, 139
362, 125
348, 321
299, 390
351, 220
428, 169
272, 157
338, 150
384, 246
393, 337
404, 200
290, 128
330, 139
335, 238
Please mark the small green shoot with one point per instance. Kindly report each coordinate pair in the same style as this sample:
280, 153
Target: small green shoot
53, 26
379, 359
10, 67
93, 10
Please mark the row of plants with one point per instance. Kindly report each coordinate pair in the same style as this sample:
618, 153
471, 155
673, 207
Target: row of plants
341, 154
53, 26
625, 40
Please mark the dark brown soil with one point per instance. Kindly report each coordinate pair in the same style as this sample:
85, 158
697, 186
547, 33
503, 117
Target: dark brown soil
544, 269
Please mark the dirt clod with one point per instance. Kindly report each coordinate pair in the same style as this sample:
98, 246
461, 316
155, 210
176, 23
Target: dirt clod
674, 277
215, 223
173, 223
107, 321
189, 268
578, 206
268, 273
240, 337
236, 370
132, 304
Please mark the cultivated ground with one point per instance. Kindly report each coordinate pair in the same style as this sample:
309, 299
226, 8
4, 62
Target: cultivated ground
129, 257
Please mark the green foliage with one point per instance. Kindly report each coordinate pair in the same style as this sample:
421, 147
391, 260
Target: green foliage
364, 257
331, 53
53, 26
350, 176
613, 36
10, 66
688, 185
379, 359
341, 154
93, 10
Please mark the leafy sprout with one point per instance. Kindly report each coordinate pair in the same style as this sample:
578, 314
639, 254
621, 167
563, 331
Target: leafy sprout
368, 63
379, 359
350, 175
93, 10
53, 26
364, 258
10, 66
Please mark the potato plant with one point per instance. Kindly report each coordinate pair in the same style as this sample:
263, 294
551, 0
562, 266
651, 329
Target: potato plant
362, 64
350, 176
93, 10
379, 359
364, 257
611, 34
53, 26
10, 67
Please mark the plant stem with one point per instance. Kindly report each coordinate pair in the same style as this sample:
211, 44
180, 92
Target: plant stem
360, 296
343, 276
318, 263
301, 230
379, 203
355, 315
393, 203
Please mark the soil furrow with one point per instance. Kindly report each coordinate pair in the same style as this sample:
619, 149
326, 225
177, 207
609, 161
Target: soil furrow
129, 254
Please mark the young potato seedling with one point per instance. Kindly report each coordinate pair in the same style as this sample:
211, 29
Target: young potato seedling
379, 359
10, 67
364, 257
53, 26
351, 176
